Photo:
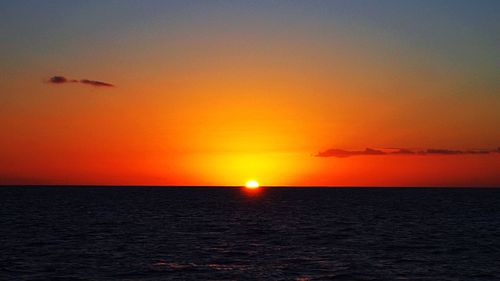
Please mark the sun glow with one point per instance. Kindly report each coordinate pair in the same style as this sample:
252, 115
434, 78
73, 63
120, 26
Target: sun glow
252, 184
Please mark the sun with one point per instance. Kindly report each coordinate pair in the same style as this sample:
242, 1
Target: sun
252, 184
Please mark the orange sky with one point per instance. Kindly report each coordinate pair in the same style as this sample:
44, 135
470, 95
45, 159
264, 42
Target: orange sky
216, 100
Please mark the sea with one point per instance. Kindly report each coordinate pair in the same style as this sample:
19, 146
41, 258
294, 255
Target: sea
274, 233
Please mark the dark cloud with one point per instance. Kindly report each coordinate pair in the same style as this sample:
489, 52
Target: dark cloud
455, 152
348, 153
443, 151
403, 151
58, 79
479, 151
340, 153
96, 83
62, 80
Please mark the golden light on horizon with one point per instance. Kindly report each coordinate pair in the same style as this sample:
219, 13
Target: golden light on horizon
252, 184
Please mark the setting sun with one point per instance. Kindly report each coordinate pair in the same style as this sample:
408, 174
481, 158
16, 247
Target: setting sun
252, 184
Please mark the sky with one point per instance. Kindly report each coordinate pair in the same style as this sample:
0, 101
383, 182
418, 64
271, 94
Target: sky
305, 93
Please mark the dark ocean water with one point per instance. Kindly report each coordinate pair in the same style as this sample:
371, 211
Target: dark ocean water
154, 233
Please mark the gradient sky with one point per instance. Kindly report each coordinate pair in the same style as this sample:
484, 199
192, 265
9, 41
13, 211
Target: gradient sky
220, 92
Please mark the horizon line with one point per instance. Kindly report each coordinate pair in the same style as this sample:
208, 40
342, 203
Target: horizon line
241, 186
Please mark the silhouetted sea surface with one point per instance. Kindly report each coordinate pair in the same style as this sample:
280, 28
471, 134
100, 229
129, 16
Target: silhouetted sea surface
155, 233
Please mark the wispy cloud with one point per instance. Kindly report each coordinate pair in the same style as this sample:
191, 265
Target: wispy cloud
62, 80
96, 83
341, 153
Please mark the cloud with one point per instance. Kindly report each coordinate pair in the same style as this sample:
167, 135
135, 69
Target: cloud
403, 151
62, 80
96, 83
340, 153
456, 152
58, 80
443, 151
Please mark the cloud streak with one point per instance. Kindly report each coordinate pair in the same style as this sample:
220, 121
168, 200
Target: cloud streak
96, 83
341, 153
63, 80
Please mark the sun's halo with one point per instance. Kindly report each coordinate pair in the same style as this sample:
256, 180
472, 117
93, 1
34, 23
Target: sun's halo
252, 184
